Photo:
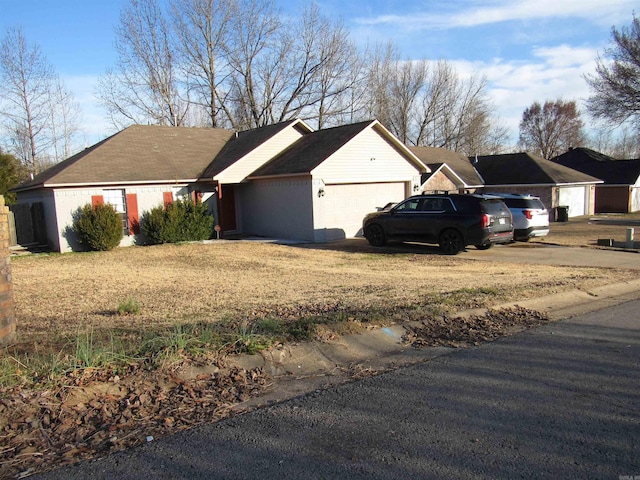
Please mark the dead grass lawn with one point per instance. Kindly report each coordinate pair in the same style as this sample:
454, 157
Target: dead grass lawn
232, 280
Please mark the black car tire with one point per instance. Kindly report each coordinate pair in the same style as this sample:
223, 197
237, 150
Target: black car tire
451, 242
375, 235
484, 246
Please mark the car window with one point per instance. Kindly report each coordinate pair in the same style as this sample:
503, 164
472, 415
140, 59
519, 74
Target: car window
532, 203
493, 207
535, 203
466, 204
411, 205
437, 205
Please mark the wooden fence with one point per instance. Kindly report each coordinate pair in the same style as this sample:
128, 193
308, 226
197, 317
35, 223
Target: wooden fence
27, 224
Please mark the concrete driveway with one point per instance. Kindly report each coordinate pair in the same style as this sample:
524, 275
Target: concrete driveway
518, 252
539, 253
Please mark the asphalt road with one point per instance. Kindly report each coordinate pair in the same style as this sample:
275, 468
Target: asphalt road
558, 402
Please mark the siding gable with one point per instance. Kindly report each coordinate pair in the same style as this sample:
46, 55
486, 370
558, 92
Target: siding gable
368, 157
237, 172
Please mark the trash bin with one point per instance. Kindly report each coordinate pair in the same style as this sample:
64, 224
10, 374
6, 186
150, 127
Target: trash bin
562, 213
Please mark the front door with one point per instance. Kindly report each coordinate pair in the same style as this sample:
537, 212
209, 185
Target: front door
227, 208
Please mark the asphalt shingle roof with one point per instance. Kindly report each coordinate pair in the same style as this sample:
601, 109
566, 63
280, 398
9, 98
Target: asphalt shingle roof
434, 157
310, 151
240, 145
138, 154
526, 169
612, 171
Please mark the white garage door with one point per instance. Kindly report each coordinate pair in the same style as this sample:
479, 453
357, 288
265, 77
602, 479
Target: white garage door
346, 205
575, 199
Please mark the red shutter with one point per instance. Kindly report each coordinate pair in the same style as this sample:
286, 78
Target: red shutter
132, 213
167, 198
97, 200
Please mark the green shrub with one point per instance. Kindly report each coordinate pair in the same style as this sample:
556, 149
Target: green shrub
180, 221
98, 228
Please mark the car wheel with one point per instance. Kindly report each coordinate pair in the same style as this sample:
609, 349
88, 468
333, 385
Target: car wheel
484, 246
375, 235
451, 242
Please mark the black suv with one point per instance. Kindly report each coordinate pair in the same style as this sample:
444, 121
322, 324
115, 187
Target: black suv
452, 221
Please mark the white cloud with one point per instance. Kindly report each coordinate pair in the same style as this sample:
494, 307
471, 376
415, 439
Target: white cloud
513, 85
466, 13
563, 56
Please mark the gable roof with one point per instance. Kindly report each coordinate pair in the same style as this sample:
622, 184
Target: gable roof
314, 148
526, 169
612, 171
242, 143
138, 154
457, 163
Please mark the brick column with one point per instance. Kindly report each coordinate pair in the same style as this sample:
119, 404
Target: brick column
7, 315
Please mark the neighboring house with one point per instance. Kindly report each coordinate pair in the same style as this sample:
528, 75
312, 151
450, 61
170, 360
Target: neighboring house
283, 180
555, 184
450, 171
620, 192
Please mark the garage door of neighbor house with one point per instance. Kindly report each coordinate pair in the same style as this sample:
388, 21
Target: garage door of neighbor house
346, 205
574, 198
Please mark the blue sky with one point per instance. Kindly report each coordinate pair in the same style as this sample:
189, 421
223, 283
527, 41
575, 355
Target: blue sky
529, 50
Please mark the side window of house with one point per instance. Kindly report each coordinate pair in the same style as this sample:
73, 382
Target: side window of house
119, 202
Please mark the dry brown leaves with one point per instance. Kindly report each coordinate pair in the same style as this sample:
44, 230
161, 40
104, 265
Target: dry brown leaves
92, 415
472, 330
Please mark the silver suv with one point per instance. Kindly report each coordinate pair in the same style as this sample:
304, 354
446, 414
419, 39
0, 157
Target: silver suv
530, 216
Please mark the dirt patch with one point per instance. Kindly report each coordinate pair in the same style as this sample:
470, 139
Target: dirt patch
94, 413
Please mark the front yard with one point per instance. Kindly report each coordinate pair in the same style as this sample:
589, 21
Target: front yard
84, 380
60, 296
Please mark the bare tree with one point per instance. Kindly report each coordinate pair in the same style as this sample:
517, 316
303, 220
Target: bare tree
469, 124
144, 86
65, 120
380, 77
620, 143
552, 128
26, 79
340, 75
616, 84
284, 70
427, 103
254, 49
407, 84
203, 29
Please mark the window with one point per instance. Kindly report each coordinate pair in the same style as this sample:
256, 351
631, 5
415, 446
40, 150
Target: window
411, 205
437, 205
119, 202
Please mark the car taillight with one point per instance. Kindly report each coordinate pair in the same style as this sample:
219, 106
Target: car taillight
485, 220
528, 214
